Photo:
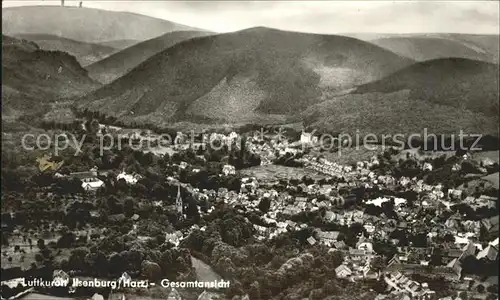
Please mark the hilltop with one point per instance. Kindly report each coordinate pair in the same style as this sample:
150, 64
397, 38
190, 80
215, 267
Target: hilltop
242, 76
33, 79
442, 95
433, 47
84, 24
118, 64
458, 82
85, 53
119, 44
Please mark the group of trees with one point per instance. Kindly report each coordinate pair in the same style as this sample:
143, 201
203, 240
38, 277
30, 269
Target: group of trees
273, 268
264, 270
442, 172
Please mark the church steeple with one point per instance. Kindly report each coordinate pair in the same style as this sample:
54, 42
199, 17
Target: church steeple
178, 201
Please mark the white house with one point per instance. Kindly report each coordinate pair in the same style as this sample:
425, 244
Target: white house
174, 238
454, 194
92, 183
129, 178
228, 170
427, 167
367, 246
125, 278
308, 138
232, 136
311, 240
61, 277
343, 271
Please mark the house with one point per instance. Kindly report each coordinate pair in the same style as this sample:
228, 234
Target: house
174, 238
264, 231
84, 175
455, 265
401, 283
396, 259
343, 271
330, 216
452, 223
228, 170
291, 210
340, 245
92, 184
491, 225
471, 226
301, 202
60, 276
451, 253
232, 136
427, 167
367, 246
328, 237
97, 296
308, 138
44, 164
369, 228
311, 240
454, 194
129, 178
490, 253
469, 249
207, 296
174, 295
125, 278
447, 272
357, 254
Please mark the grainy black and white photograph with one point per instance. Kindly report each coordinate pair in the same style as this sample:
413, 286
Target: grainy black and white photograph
250, 150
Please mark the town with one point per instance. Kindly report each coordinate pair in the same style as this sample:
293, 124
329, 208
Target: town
401, 224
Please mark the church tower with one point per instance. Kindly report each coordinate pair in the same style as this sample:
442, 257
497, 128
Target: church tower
178, 201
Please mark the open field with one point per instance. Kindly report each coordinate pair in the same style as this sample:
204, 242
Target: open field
36, 296
493, 155
347, 156
23, 260
275, 172
493, 178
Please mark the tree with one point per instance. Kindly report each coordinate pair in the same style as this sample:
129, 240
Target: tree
264, 205
449, 238
336, 258
66, 240
419, 240
77, 259
128, 207
377, 264
41, 244
38, 257
493, 289
436, 258
160, 238
254, 291
151, 270
114, 205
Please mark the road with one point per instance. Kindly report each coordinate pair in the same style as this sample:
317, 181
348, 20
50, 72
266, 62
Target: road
203, 271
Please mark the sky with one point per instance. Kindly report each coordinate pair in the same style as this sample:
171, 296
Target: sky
328, 17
